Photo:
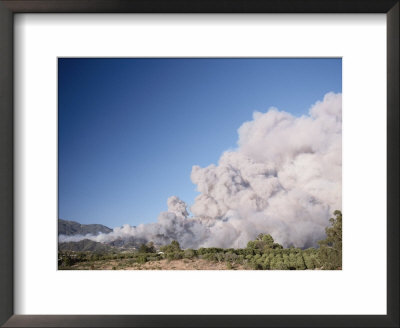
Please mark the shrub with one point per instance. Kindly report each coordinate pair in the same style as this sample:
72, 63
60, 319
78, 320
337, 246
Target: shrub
141, 259
189, 253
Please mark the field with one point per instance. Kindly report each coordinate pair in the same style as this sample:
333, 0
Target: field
127, 264
174, 258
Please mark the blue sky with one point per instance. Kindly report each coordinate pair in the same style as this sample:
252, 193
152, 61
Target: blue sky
130, 130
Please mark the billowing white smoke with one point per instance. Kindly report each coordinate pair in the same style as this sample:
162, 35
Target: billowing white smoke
283, 179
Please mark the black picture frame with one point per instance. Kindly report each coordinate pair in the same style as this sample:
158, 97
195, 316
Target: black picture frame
10, 7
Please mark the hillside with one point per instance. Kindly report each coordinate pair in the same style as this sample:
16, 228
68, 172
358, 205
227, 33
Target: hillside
74, 228
85, 245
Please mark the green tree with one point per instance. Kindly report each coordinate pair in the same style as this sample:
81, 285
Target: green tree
300, 265
267, 263
147, 248
308, 261
268, 241
330, 251
175, 245
150, 247
292, 260
286, 260
171, 248
263, 243
189, 253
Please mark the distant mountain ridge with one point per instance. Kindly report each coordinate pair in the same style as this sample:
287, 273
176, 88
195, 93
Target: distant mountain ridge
70, 228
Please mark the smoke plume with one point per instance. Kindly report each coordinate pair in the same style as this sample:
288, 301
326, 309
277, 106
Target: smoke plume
284, 179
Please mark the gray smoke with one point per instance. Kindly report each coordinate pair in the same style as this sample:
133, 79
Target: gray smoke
283, 179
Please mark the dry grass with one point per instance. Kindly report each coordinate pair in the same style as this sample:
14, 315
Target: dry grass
194, 264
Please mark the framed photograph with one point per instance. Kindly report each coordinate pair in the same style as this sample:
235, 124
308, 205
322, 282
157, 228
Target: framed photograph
264, 206
189, 163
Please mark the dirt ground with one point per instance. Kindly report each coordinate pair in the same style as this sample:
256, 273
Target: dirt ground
185, 264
